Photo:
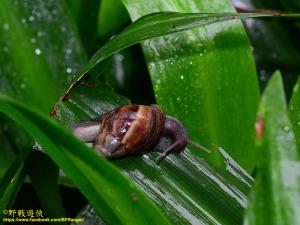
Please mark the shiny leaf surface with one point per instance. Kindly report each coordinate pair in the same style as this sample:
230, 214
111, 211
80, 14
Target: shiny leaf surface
275, 197
87, 171
185, 187
110, 25
147, 27
294, 113
40, 51
197, 74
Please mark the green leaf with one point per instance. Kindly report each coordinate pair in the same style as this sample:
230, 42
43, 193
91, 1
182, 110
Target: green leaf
275, 197
147, 27
10, 185
6, 150
88, 100
197, 74
85, 14
185, 187
109, 25
113, 196
40, 51
294, 113
213, 123
43, 174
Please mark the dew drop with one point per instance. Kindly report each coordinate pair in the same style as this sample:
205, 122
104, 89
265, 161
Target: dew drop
286, 128
158, 81
120, 57
40, 34
63, 29
23, 20
69, 70
5, 26
274, 56
31, 18
38, 51
181, 77
33, 40
37, 146
263, 75
68, 51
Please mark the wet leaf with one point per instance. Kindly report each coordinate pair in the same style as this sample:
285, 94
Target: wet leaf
40, 51
185, 187
294, 113
10, 185
197, 74
147, 27
86, 170
275, 197
43, 174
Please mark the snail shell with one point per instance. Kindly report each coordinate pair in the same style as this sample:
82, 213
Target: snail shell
133, 129
130, 129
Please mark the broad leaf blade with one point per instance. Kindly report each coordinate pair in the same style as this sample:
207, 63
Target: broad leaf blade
40, 51
85, 14
108, 25
197, 74
156, 25
88, 172
186, 188
275, 197
43, 174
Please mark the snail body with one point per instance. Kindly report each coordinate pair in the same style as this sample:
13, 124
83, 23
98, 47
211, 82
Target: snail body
133, 129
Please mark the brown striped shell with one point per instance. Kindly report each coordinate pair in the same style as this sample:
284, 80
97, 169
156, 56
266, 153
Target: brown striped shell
130, 129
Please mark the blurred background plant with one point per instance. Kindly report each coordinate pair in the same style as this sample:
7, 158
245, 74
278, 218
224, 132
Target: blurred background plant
215, 77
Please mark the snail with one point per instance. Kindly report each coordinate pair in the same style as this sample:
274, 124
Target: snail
134, 129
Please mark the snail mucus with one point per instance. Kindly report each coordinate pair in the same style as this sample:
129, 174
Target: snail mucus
134, 129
